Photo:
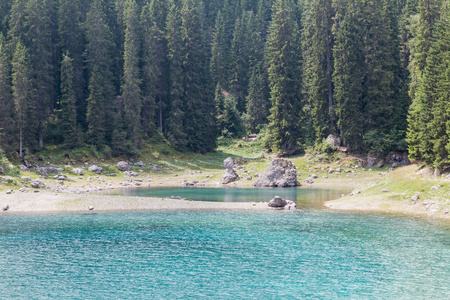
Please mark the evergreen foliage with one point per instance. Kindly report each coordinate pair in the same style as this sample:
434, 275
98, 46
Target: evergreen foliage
7, 117
131, 87
283, 59
68, 104
22, 91
112, 73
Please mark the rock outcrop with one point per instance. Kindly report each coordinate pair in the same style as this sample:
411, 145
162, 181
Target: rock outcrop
281, 173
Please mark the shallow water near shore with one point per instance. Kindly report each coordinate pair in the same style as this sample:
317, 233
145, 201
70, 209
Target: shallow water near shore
305, 197
309, 254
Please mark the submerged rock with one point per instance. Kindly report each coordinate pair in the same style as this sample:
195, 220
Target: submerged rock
281, 173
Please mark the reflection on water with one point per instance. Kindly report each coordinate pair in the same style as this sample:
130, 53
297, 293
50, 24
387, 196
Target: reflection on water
306, 197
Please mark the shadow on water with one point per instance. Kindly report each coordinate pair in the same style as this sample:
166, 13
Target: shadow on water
306, 197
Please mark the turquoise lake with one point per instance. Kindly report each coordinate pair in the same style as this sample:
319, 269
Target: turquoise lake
304, 197
307, 254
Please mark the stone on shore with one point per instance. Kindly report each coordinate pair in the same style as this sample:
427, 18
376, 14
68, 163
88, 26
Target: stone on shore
415, 198
78, 171
228, 163
229, 176
123, 166
281, 173
279, 203
95, 169
5, 208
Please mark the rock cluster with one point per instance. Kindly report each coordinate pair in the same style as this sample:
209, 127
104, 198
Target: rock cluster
281, 173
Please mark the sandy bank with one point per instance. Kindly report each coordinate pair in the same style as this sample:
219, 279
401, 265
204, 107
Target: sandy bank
64, 202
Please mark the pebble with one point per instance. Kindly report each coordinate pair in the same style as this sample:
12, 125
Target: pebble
415, 198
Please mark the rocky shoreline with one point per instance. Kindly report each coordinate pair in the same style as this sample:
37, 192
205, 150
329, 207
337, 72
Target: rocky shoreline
76, 188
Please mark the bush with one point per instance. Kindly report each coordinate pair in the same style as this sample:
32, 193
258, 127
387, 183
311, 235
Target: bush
324, 147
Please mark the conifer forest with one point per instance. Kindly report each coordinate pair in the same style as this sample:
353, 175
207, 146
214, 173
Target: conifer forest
115, 73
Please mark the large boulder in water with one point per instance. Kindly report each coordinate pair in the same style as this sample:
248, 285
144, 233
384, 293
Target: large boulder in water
279, 203
281, 173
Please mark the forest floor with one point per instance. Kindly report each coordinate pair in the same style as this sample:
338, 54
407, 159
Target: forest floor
375, 190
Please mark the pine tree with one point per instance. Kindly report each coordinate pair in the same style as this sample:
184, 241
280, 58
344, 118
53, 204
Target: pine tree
7, 119
71, 38
240, 58
429, 143
317, 68
175, 123
5, 7
348, 71
155, 66
420, 114
197, 97
219, 53
100, 102
258, 103
22, 90
68, 104
31, 25
131, 91
284, 78
436, 78
381, 77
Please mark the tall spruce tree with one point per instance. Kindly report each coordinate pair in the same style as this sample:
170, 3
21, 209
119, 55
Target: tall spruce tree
197, 96
240, 51
7, 118
430, 106
71, 38
283, 60
381, 91
219, 53
22, 91
258, 103
348, 70
318, 66
154, 66
436, 84
131, 91
68, 104
420, 113
100, 102
175, 123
